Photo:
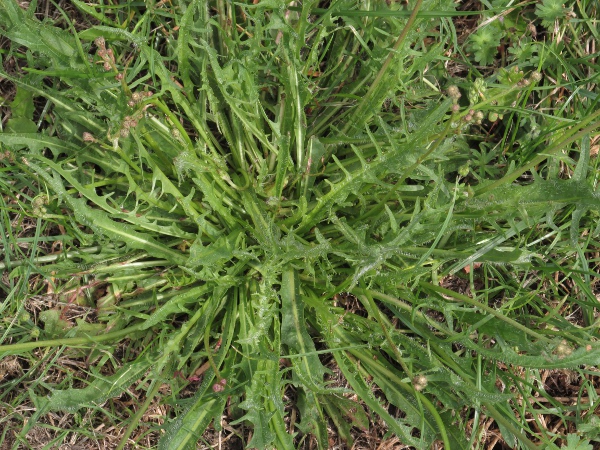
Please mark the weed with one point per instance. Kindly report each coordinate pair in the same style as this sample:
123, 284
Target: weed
274, 216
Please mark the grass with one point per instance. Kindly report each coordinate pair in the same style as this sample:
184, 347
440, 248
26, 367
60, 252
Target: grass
272, 225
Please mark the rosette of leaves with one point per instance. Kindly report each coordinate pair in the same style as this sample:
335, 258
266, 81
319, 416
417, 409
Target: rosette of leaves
484, 44
550, 11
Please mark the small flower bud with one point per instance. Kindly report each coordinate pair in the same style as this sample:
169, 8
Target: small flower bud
107, 66
88, 137
563, 349
124, 132
100, 42
531, 28
419, 382
454, 92
131, 103
218, 387
478, 115
38, 205
468, 118
463, 170
455, 108
536, 76
149, 93
119, 76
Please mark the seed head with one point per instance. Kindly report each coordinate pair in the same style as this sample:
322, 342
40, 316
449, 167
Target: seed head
39, 205
100, 42
464, 170
419, 382
531, 28
454, 92
536, 76
563, 350
220, 386
88, 137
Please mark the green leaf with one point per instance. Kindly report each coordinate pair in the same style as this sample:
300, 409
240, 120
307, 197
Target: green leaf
589, 355
20, 125
484, 44
22, 107
175, 305
591, 429
102, 225
312, 418
550, 11
366, 395
54, 324
206, 406
294, 334
262, 435
214, 254
100, 390
574, 442
345, 414
36, 142
44, 39
508, 437
416, 415
185, 431
110, 34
